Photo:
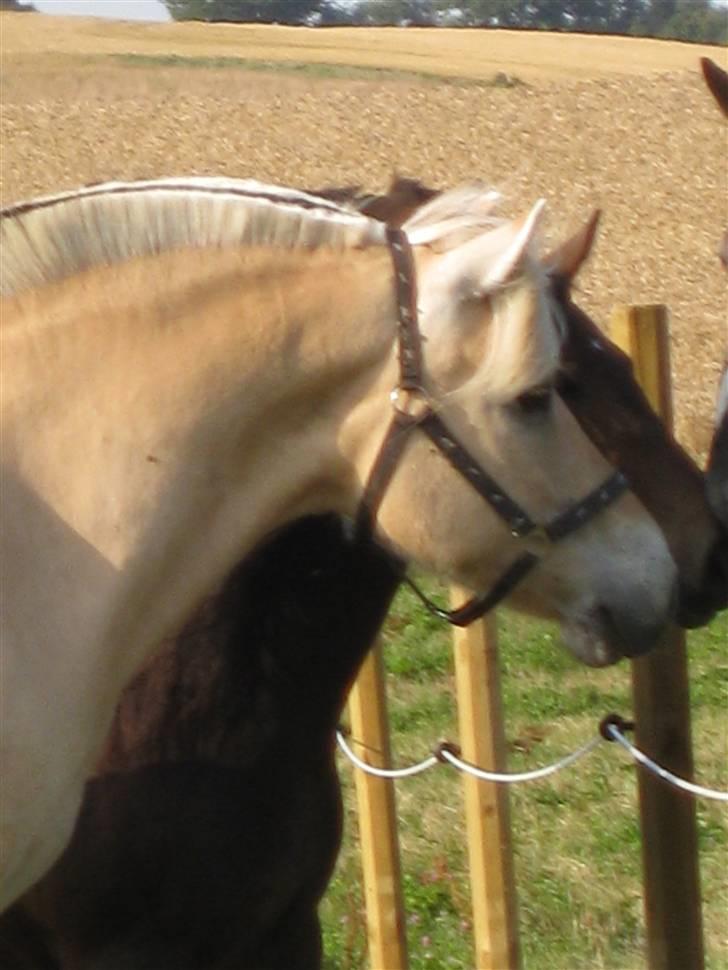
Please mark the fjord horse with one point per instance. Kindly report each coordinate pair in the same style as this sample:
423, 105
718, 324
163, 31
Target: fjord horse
225, 740
717, 473
189, 365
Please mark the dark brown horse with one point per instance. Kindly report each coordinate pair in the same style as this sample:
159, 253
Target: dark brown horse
717, 472
210, 830
717, 80
717, 475
632, 436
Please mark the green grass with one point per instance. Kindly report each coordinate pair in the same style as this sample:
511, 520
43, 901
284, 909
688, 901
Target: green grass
576, 836
309, 69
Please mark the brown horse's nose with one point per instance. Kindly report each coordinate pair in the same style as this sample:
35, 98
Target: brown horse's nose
697, 606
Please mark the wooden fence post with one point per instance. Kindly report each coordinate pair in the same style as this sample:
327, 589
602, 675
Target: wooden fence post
662, 714
378, 819
487, 813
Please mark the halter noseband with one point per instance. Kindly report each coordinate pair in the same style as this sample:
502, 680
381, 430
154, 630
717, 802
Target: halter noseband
413, 409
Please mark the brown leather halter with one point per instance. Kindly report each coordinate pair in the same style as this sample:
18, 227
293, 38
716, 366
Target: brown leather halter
413, 409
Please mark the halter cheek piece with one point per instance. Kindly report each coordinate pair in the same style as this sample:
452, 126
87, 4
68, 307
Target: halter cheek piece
413, 409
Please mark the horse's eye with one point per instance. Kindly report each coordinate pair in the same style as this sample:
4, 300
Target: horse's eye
535, 401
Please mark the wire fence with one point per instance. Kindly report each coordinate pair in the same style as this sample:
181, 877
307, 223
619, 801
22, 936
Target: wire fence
611, 728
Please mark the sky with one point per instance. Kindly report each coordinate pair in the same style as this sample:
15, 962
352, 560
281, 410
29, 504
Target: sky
118, 9
122, 9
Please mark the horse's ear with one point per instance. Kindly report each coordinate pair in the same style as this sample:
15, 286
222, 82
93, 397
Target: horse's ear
499, 270
566, 261
717, 80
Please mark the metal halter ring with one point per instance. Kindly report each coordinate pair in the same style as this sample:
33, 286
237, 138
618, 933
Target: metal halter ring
536, 540
411, 403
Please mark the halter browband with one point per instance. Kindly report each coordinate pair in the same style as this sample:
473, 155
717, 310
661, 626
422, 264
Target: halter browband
413, 409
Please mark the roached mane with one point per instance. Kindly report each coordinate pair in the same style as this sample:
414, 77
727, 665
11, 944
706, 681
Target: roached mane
53, 237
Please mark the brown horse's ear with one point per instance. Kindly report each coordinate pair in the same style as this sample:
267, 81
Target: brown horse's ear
723, 250
717, 80
566, 261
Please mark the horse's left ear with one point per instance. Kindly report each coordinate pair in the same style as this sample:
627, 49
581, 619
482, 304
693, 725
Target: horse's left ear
566, 261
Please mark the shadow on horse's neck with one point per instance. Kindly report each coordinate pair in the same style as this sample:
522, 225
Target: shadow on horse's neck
267, 661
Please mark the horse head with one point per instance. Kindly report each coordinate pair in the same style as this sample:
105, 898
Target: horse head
598, 384
484, 404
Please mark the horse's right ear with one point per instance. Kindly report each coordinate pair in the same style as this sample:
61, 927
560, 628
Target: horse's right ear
566, 261
717, 80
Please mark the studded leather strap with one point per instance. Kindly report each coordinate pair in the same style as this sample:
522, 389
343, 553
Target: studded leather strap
405, 286
517, 519
578, 515
381, 472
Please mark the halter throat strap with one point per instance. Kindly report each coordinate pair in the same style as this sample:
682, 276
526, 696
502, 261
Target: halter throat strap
413, 409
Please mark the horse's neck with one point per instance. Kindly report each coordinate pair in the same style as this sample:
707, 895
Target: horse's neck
193, 406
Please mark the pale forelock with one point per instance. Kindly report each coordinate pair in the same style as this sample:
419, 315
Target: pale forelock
527, 326
524, 345
56, 236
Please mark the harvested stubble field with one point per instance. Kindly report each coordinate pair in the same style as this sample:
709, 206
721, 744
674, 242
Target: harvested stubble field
620, 124
623, 125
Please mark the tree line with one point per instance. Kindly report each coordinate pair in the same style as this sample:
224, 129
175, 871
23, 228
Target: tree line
703, 21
